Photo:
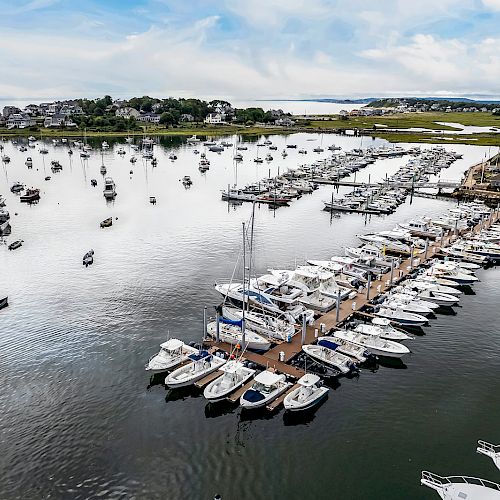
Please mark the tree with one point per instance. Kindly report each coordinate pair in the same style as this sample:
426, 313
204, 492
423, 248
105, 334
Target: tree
167, 118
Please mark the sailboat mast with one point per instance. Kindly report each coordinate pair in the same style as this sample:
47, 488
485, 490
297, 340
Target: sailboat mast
244, 278
251, 249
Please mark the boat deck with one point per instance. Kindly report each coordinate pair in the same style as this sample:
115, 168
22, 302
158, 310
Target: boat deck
279, 400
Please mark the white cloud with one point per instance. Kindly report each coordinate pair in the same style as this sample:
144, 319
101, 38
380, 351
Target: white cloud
492, 4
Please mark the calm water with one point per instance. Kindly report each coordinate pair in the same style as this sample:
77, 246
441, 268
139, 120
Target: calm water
80, 418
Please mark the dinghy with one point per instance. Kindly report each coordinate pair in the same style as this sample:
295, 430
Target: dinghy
201, 364
307, 395
172, 353
267, 386
234, 375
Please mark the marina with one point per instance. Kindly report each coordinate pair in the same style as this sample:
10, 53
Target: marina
127, 303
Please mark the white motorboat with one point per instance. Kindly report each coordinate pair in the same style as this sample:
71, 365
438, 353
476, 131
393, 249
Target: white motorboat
402, 317
357, 353
441, 299
104, 145
490, 450
193, 139
461, 487
451, 273
172, 353
232, 334
29, 162
309, 393
327, 353
265, 324
267, 386
407, 295
103, 169
201, 364
425, 284
406, 306
4, 220
375, 344
319, 302
109, 190
383, 328
234, 375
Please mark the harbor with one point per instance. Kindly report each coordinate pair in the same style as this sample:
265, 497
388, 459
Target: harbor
151, 279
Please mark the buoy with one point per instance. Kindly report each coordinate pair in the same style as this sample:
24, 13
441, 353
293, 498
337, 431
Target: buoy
238, 346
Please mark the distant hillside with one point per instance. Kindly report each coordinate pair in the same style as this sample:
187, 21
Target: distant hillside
441, 102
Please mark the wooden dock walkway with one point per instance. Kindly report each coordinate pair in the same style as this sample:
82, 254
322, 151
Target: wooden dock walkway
206, 380
272, 358
279, 400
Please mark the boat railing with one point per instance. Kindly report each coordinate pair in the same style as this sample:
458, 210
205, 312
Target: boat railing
438, 482
487, 448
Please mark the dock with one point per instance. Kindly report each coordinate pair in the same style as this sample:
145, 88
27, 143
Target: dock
279, 356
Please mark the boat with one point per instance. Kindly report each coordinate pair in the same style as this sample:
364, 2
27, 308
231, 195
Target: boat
193, 139
269, 157
4, 220
308, 394
172, 353
291, 146
238, 157
402, 317
408, 304
200, 365
109, 188
461, 487
121, 151
2, 201
107, 222
88, 258
490, 450
383, 328
84, 154
172, 156
258, 160
357, 353
303, 151
327, 353
29, 162
375, 344
104, 145
103, 169
234, 375
5, 158
70, 152
267, 386
442, 299
129, 140
17, 187
186, 180
55, 166
15, 245
423, 284
133, 159
450, 272
4, 301
43, 150
30, 195
230, 331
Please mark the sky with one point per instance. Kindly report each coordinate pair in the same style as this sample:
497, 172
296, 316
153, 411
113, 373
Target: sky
249, 49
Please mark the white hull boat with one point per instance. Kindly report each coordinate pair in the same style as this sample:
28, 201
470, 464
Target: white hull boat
328, 355
461, 487
201, 365
490, 450
172, 353
434, 287
382, 327
357, 353
374, 344
307, 395
402, 317
441, 299
266, 388
406, 306
234, 375
232, 334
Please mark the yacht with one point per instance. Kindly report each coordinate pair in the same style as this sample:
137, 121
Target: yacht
267, 386
308, 394
357, 353
234, 375
200, 365
402, 317
231, 332
269, 157
453, 273
109, 188
421, 229
383, 328
29, 162
103, 169
172, 353
490, 450
375, 344
17, 187
461, 487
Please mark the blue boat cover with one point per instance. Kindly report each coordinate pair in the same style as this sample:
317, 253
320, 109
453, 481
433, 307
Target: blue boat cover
238, 322
327, 343
198, 356
253, 396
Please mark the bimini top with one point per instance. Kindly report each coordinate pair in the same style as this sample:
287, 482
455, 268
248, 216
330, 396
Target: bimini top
199, 355
308, 380
172, 344
231, 366
268, 378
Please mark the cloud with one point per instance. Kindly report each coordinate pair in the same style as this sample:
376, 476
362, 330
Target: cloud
492, 4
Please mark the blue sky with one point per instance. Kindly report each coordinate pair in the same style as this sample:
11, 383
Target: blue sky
247, 49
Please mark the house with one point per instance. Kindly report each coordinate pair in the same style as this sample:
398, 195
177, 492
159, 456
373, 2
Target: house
186, 117
284, 122
214, 118
149, 118
495, 181
127, 112
52, 109
156, 107
71, 109
20, 120
276, 113
32, 109
58, 120
9, 110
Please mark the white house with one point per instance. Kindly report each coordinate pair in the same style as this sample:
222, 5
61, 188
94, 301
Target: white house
127, 112
284, 122
214, 118
20, 120
149, 118
58, 120
70, 109
9, 110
